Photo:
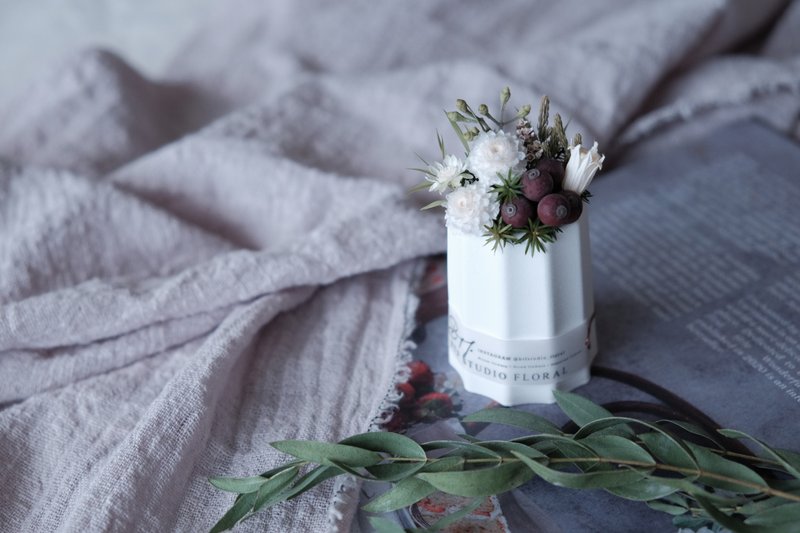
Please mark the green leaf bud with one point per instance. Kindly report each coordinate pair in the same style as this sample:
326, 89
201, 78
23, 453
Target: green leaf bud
505, 95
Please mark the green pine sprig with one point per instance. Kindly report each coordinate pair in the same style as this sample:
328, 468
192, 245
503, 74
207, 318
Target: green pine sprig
537, 235
510, 187
499, 234
698, 482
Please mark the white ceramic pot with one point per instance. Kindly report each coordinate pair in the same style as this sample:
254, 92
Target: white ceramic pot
521, 326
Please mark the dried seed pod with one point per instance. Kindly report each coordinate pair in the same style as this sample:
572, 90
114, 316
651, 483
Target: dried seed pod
536, 184
553, 210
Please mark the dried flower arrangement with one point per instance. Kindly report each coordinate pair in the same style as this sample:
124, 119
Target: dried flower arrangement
511, 188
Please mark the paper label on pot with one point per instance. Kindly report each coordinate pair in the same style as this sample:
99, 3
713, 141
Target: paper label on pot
519, 362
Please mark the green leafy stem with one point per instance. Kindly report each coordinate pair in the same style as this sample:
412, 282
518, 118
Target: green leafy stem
672, 466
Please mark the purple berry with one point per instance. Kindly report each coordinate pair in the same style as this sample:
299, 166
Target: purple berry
516, 212
575, 206
553, 210
536, 184
553, 167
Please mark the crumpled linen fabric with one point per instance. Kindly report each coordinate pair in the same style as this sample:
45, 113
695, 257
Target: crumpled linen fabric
196, 265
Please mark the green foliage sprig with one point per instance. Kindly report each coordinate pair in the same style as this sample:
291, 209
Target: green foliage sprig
696, 480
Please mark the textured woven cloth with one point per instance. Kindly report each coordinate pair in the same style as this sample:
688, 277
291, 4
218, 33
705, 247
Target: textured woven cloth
193, 267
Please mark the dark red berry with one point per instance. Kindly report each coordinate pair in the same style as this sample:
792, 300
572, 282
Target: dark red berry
536, 184
516, 212
421, 376
575, 206
553, 167
553, 210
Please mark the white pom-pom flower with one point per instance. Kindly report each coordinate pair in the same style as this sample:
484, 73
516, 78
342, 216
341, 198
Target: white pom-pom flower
583, 164
447, 174
470, 208
494, 153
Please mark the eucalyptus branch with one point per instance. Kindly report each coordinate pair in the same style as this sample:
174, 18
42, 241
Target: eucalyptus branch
630, 458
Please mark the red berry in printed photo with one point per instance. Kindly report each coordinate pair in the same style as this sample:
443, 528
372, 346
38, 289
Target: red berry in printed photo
400, 421
516, 212
553, 167
421, 376
434, 405
575, 206
408, 393
553, 210
536, 184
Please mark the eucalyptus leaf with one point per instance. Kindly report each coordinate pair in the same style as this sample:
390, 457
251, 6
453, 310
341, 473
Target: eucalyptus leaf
693, 429
586, 480
615, 447
715, 466
311, 479
480, 482
239, 485
470, 447
774, 454
667, 450
395, 445
667, 508
695, 490
281, 468
514, 417
728, 521
444, 464
788, 513
690, 522
755, 507
384, 525
601, 425
270, 492
241, 507
582, 410
323, 452
507, 447
790, 458
403, 494
643, 490
352, 471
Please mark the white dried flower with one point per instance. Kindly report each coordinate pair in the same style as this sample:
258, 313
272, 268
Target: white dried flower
447, 174
471, 207
495, 153
583, 164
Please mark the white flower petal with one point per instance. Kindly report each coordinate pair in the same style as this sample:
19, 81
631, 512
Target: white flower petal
494, 153
583, 164
470, 208
447, 174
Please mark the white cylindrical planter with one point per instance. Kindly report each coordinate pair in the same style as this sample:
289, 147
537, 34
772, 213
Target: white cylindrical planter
521, 326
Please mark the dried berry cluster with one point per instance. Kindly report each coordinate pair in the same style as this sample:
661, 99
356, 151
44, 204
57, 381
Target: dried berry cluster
534, 203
